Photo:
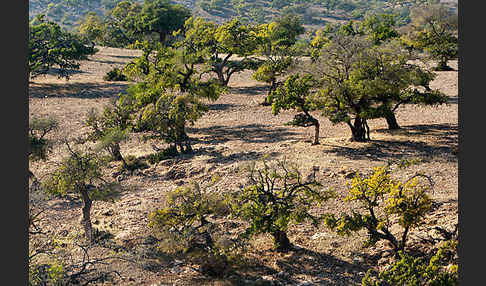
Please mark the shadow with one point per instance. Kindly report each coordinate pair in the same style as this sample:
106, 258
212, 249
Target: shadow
57, 71
108, 62
221, 106
250, 90
218, 157
76, 89
124, 57
323, 268
250, 133
443, 137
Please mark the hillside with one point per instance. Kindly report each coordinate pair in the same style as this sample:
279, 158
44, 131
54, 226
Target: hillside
315, 13
237, 130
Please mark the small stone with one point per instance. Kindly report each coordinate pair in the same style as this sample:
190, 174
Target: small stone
358, 259
305, 283
108, 212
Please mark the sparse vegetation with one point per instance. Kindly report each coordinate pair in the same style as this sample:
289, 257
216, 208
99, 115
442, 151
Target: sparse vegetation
384, 202
206, 211
276, 197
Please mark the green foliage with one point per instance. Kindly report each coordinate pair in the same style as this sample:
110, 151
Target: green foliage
383, 201
39, 146
50, 274
379, 27
81, 174
170, 91
275, 43
434, 30
187, 226
110, 128
120, 25
166, 153
91, 27
296, 94
408, 270
276, 197
51, 46
343, 97
115, 74
133, 163
161, 17
390, 80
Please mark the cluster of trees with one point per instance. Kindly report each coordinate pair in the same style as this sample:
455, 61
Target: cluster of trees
129, 21
276, 196
357, 71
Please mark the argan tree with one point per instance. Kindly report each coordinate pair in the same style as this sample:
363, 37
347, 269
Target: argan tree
275, 44
434, 30
170, 92
275, 197
379, 27
296, 94
391, 80
225, 41
81, 174
187, 225
161, 17
382, 202
342, 96
439, 269
110, 128
50, 46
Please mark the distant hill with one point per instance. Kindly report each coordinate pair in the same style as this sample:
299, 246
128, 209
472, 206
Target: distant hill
314, 13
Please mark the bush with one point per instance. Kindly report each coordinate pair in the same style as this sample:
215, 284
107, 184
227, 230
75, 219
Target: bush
165, 154
440, 269
133, 163
383, 201
115, 74
186, 226
275, 197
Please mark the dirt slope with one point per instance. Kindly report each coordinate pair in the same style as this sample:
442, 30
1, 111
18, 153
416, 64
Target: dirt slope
235, 131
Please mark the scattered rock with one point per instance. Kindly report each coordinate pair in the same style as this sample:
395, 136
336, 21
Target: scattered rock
108, 212
282, 275
358, 259
305, 283
350, 175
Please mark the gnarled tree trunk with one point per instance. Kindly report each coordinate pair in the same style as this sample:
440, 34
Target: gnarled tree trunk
281, 241
359, 130
86, 221
391, 120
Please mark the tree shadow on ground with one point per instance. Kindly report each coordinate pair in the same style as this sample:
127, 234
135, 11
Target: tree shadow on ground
249, 90
249, 133
70, 72
220, 158
76, 90
108, 62
221, 106
319, 269
442, 137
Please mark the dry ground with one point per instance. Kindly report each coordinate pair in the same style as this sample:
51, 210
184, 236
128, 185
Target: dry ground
235, 131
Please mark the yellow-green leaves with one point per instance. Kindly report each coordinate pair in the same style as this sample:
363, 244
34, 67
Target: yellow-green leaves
384, 200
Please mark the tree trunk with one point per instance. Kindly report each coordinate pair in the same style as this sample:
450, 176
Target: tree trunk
358, 130
316, 133
273, 86
86, 222
391, 120
162, 36
281, 242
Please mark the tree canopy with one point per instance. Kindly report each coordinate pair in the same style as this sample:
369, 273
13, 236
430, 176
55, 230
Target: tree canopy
50, 46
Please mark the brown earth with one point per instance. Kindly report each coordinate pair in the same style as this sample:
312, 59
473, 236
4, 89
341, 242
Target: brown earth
235, 131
